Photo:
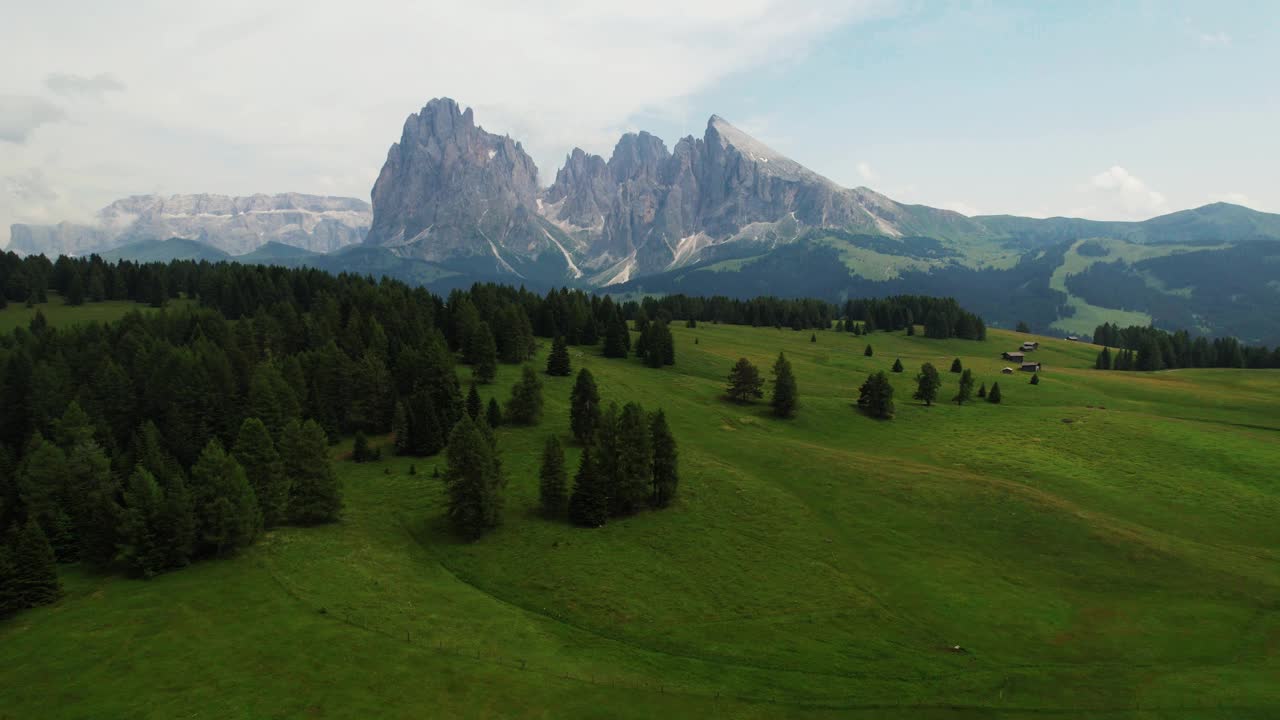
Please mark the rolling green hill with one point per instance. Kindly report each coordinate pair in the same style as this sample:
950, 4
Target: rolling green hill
166, 250
1100, 545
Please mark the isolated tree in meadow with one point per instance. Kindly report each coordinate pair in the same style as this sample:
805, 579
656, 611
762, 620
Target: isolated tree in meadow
633, 462
315, 494
982, 390
965, 390
475, 407
589, 504
265, 470
665, 472
927, 384
473, 480
525, 405
1104, 360
553, 485
875, 397
493, 414
584, 407
897, 365
956, 367
1035, 378
993, 397
785, 398
868, 352
558, 361
813, 337
226, 510
33, 573
744, 382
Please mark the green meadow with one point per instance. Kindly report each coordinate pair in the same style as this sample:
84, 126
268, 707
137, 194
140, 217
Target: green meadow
1103, 544
59, 314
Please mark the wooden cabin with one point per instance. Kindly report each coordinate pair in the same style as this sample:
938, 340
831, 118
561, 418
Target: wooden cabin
1030, 345
1007, 371
1013, 356
1030, 367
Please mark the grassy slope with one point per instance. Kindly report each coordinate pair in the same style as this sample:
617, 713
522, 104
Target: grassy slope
1121, 564
59, 314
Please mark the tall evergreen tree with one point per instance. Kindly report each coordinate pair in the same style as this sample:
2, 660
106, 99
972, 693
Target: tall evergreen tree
485, 367
315, 494
558, 361
617, 339
897, 365
271, 399
875, 396
665, 472
1035, 378
553, 483
262, 465
493, 414
361, 451
956, 367
525, 405
745, 383
226, 510
994, 396
633, 463
982, 390
927, 384
868, 352
965, 390
786, 399
589, 504
34, 575
141, 539
474, 481
475, 407
1104, 360
584, 407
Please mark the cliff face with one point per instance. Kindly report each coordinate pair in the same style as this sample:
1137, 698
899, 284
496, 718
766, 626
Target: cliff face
235, 225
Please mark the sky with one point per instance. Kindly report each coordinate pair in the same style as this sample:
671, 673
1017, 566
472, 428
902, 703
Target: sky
1092, 109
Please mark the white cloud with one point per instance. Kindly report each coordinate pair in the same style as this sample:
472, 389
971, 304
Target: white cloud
20, 115
71, 85
1234, 198
241, 97
1116, 194
1214, 40
866, 172
961, 207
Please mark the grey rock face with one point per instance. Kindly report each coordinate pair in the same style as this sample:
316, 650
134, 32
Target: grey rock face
235, 225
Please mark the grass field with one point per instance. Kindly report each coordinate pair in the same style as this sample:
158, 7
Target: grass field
59, 314
1099, 545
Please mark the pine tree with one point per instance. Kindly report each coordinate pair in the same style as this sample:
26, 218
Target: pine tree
633, 464
1035, 378
141, 546
965, 390
617, 339
400, 428
584, 407
473, 480
897, 365
813, 337
34, 578
553, 483
665, 472
361, 452
589, 504
485, 368
994, 396
982, 390
868, 352
1104, 360
785, 400
271, 399
226, 510
493, 415
744, 382
875, 396
525, 405
927, 384
956, 367
558, 361
262, 465
315, 494
474, 405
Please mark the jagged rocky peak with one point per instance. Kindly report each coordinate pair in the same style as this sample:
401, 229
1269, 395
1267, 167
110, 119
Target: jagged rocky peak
638, 156
585, 187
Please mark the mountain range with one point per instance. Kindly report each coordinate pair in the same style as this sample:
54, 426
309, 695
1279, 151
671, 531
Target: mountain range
726, 214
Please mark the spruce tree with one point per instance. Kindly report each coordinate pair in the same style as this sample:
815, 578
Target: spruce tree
665, 472
927, 384
633, 481
558, 361
617, 339
897, 365
994, 396
589, 504
473, 481
965, 390
493, 415
315, 494
1035, 378
553, 486
1104, 360
226, 510
141, 541
525, 405
745, 382
475, 407
584, 407
785, 400
955, 366
400, 429
34, 578
868, 352
361, 451
813, 338
263, 467
982, 390
485, 368
875, 396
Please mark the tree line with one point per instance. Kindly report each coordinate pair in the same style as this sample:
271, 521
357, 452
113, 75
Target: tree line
1146, 348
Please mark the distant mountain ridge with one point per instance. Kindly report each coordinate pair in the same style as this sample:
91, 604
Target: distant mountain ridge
234, 225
